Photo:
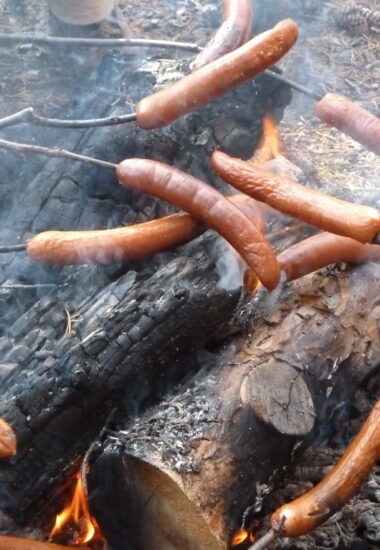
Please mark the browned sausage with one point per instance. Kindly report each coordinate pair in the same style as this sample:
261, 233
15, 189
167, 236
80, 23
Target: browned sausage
216, 78
126, 243
8, 442
357, 221
234, 31
324, 249
352, 119
207, 205
13, 543
310, 510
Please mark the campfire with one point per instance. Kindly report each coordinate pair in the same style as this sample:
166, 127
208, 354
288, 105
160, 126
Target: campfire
189, 330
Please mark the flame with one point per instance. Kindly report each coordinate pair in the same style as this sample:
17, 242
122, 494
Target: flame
269, 145
77, 513
239, 537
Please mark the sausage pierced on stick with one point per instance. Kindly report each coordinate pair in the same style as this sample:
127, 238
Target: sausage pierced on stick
8, 442
313, 508
217, 78
234, 31
126, 243
207, 205
322, 250
359, 222
352, 119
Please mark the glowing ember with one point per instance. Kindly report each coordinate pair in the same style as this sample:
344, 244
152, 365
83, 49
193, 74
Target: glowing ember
77, 514
269, 144
239, 537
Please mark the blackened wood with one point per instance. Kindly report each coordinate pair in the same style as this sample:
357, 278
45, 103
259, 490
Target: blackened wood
208, 448
57, 388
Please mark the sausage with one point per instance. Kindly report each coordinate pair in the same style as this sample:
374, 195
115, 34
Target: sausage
126, 243
8, 442
207, 205
14, 543
216, 78
234, 31
311, 509
352, 119
357, 221
324, 249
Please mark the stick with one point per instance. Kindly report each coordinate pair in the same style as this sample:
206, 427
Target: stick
99, 42
294, 85
28, 115
269, 537
13, 248
63, 153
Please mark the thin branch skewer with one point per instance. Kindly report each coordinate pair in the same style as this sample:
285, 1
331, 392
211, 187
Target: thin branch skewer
98, 42
47, 151
28, 115
269, 537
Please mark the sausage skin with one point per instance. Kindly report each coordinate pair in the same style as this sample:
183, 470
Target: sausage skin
216, 78
357, 221
322, 250
208, 206
352, 119
127, 243
14, 543
233, 32
311, 509
8, 442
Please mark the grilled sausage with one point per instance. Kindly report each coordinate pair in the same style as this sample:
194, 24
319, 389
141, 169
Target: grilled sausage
324, 249
234, 31
207, 205
126, 243
352, 119
8, 442
216, 78
313, 508
14, 543
359, 222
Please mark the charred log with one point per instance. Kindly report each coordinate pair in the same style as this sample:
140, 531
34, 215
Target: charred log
194, 467
127, 342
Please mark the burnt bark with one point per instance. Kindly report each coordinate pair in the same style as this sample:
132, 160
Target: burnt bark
195, 466
126, 344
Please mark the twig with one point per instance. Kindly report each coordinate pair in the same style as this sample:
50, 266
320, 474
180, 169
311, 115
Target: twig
63, 153
13, 248
269, 537
28, 115
27, 287
294, 85
98, 42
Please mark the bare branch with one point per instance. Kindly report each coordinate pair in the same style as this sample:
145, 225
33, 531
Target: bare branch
28, 115
269, 537
98, 42
53, 152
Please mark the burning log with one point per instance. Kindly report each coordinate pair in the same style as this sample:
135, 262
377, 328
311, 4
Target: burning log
128, 341
194, 467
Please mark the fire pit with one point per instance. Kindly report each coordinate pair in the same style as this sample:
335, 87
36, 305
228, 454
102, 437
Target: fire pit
181, 402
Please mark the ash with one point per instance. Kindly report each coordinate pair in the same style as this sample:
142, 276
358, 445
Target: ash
173, 427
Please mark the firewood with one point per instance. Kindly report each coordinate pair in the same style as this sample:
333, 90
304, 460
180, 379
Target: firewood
192, 467
126, 344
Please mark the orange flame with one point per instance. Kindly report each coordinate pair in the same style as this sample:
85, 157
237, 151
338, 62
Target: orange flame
239, 537
269, 145
77, 513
